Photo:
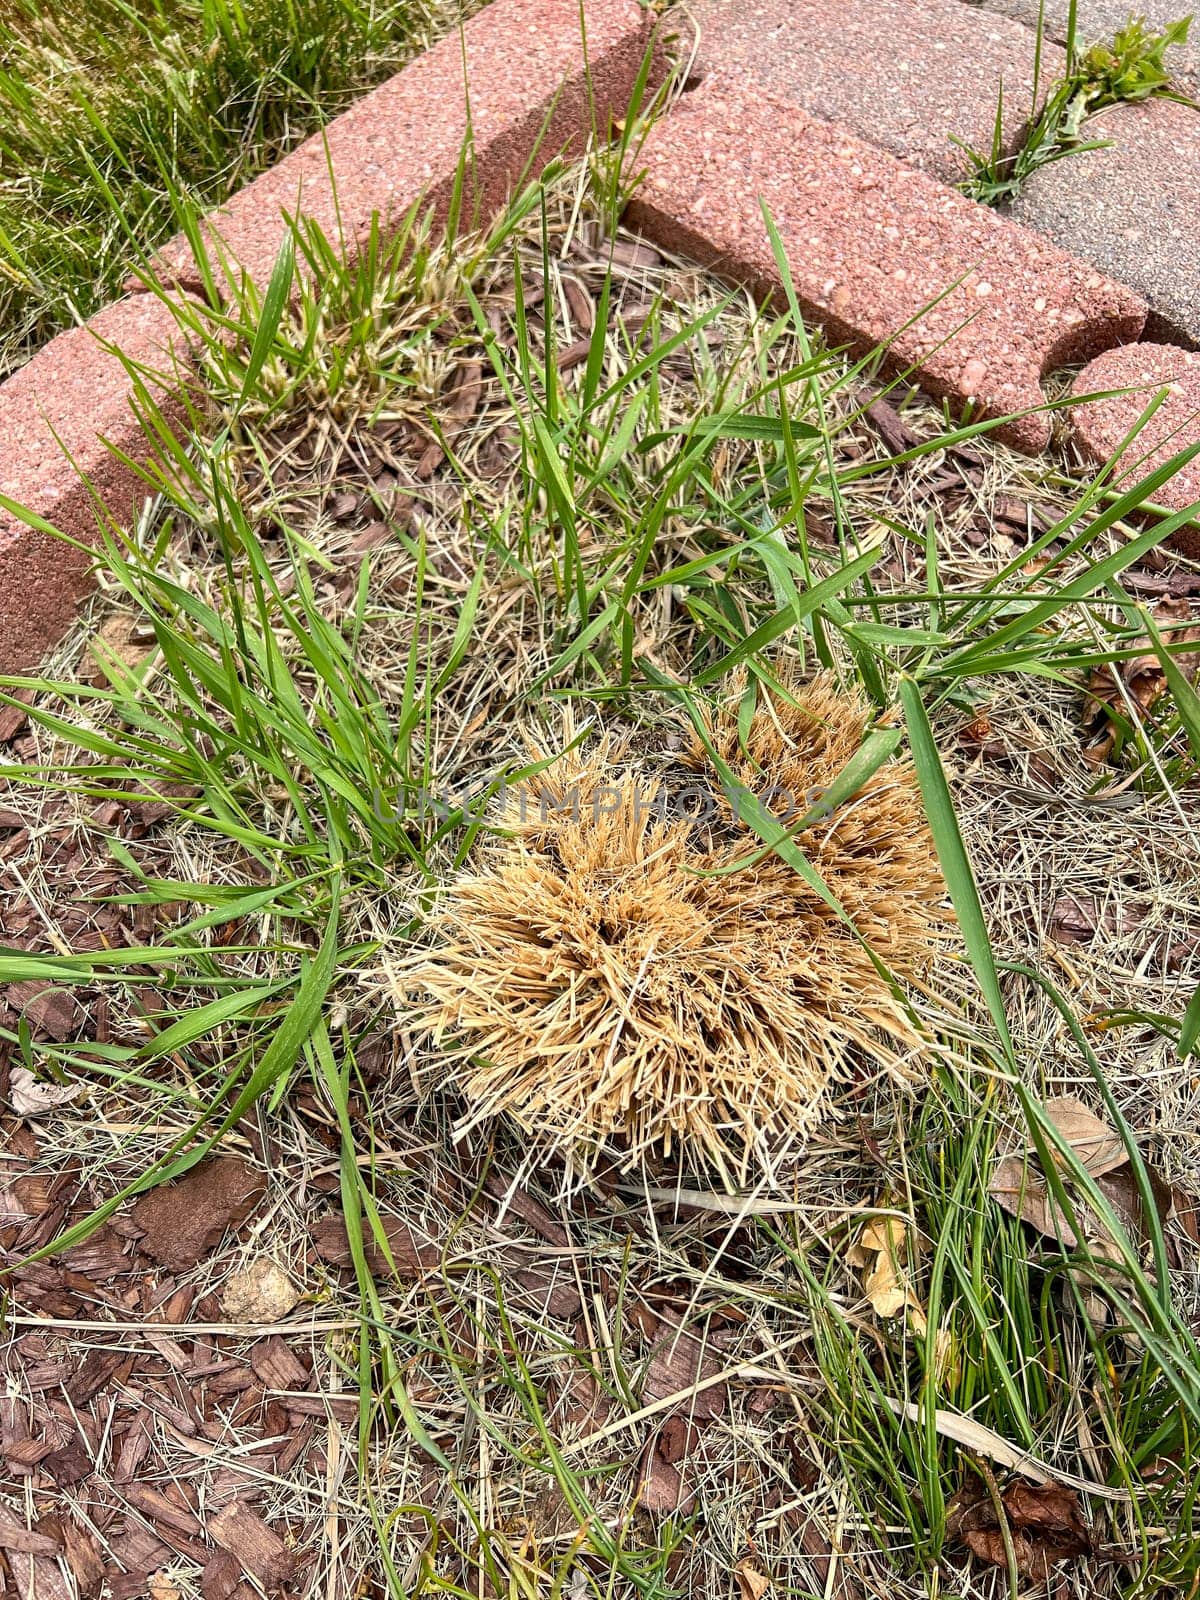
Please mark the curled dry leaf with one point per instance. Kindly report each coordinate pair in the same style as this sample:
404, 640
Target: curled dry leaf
753, 1582
1044, 1524
882, 1254
1139, 682
30, 1097
1018, 1183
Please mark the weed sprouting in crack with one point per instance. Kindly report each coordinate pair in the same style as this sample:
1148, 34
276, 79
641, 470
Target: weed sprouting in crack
1129, 67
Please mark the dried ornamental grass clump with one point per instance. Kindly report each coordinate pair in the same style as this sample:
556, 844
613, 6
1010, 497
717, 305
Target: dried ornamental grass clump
624, 965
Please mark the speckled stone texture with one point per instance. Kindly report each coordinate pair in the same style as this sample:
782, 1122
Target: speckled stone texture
910, 78
1133, 209
871, 243
1102, 425
1096, 21
539, 73
71, 397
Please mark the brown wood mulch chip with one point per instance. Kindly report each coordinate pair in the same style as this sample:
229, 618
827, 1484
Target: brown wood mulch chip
181, 1222
109, 1413
106, 1414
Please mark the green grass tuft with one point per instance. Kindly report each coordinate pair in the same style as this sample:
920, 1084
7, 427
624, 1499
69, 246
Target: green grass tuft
114, 116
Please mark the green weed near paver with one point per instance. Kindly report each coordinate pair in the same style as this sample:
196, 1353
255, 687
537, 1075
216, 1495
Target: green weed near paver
112, 114
1133, 66
693, 505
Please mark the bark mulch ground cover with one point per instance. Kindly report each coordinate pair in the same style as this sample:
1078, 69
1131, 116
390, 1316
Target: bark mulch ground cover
285, 1314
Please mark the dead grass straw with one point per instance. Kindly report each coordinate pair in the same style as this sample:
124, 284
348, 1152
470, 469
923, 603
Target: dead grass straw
624, 962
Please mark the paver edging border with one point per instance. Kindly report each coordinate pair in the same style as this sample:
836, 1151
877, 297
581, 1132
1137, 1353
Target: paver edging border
526, 80
536, 85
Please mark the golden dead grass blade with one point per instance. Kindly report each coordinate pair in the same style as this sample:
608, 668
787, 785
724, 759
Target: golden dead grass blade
614, 968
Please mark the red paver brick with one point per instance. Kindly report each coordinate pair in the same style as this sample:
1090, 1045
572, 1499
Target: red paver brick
1132, 208
1102, 425
871, 245
539, 75
71, 397
910, 78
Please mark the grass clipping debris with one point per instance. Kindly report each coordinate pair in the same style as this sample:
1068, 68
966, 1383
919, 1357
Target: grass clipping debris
625, 967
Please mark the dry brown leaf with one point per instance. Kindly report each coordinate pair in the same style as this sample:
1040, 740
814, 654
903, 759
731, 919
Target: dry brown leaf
1120, 1189
1075, 918
882, 1252
1097, 1144
752, 1580
1139, 682
884, 1287
1019, 1186
1044, 1525
31, 1097
1187, 1211
1049, 1507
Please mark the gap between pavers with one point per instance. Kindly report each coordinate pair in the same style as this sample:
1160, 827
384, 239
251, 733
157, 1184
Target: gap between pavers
539, 75
912, 79
1132, 208
978, 308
